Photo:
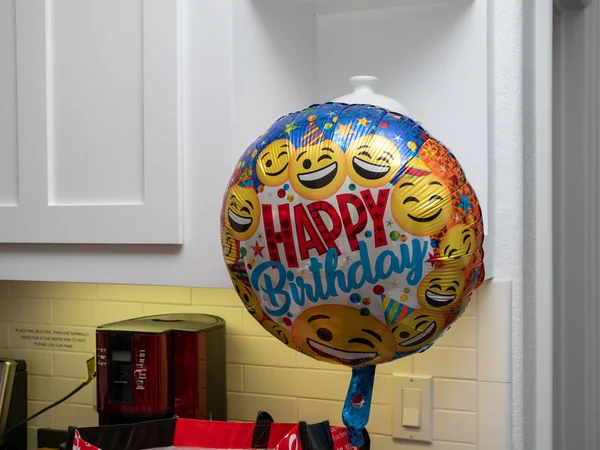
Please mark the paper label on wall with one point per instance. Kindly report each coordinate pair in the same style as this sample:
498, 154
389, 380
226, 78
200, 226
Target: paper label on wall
48, 337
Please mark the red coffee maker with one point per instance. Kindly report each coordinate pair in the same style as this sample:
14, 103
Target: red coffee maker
161, 366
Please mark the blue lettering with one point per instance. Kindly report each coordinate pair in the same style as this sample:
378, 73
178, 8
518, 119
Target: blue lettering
315, 268
285, 289
380, 269
416, 262
333, 274
306, 291
268, 288
297, 297
363, 263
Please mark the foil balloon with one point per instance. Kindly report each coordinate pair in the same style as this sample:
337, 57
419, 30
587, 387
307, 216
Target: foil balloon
352, 235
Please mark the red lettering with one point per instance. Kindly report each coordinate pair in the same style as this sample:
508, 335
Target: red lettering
303, 227
376, 211
283, 236
328, 235
352, 228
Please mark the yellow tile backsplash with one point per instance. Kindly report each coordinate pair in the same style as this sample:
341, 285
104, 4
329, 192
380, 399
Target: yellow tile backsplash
455, 426
30, 310
3, 334
235, 377
43, 420
242, 406
262, 373
215, 297
68, 364
144, 294
263, 351
93, 313
460, 395
38, 362
44, 289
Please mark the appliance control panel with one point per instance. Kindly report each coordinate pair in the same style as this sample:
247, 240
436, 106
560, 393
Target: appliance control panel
120, 368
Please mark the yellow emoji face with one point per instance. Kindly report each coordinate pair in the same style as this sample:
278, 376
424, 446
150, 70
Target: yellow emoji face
372, 160
243, 212
414, 332
273, 162
457, 246
318, 171
230, 247
340, 333
276, 330
247, 295
441, 289
421, 205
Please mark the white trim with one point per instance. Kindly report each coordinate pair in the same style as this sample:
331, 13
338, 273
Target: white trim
494, 364
494, 331
494, 407
542, 151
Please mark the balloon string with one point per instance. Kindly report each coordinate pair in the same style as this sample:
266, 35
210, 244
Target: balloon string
358, 403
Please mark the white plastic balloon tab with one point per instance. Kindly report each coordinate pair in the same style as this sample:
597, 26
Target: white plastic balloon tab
364, 93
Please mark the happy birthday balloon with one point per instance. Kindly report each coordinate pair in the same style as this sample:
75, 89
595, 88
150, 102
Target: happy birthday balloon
352, 235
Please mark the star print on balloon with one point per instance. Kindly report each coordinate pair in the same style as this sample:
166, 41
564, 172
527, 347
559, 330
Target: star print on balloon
345, 130
353, 234
464, 203
290, 127
258, 249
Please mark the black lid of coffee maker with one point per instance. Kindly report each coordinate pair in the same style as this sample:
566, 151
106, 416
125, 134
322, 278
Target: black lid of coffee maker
163, 323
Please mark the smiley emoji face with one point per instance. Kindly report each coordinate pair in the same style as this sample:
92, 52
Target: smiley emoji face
318, 171
229, 246
372, 160
457, 246
243, 212
273, 162
441, 289
276, 330
418, 330
421, 205
248, 297
341, 334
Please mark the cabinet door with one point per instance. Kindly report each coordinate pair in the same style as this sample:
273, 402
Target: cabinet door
90, 132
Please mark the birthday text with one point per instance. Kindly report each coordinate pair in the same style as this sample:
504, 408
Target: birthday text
312, 233
325, 280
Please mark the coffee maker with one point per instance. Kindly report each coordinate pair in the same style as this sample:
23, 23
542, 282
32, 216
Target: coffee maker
161, 366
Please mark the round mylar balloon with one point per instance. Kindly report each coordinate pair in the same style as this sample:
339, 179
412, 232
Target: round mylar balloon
351, 234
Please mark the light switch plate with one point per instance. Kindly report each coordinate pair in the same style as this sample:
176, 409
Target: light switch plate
408, 383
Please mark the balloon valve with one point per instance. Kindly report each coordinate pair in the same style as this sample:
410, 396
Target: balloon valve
358, 401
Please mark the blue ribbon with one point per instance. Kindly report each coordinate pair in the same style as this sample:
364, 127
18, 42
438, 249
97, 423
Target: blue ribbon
358, 403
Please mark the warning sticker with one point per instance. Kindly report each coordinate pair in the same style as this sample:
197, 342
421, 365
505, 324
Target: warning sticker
52, 338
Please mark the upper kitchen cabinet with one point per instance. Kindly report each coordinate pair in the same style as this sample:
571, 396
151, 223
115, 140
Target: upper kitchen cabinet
90, 122
125, 118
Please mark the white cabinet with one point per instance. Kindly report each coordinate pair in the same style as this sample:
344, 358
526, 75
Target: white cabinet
126, 117
91, 135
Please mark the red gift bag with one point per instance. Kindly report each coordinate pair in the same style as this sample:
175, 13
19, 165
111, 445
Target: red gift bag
188, 434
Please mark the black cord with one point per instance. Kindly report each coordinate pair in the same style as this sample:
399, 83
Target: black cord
41, 411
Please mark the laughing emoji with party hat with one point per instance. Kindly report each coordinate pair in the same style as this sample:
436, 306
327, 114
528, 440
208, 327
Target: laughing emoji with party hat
317, 166
421, 202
